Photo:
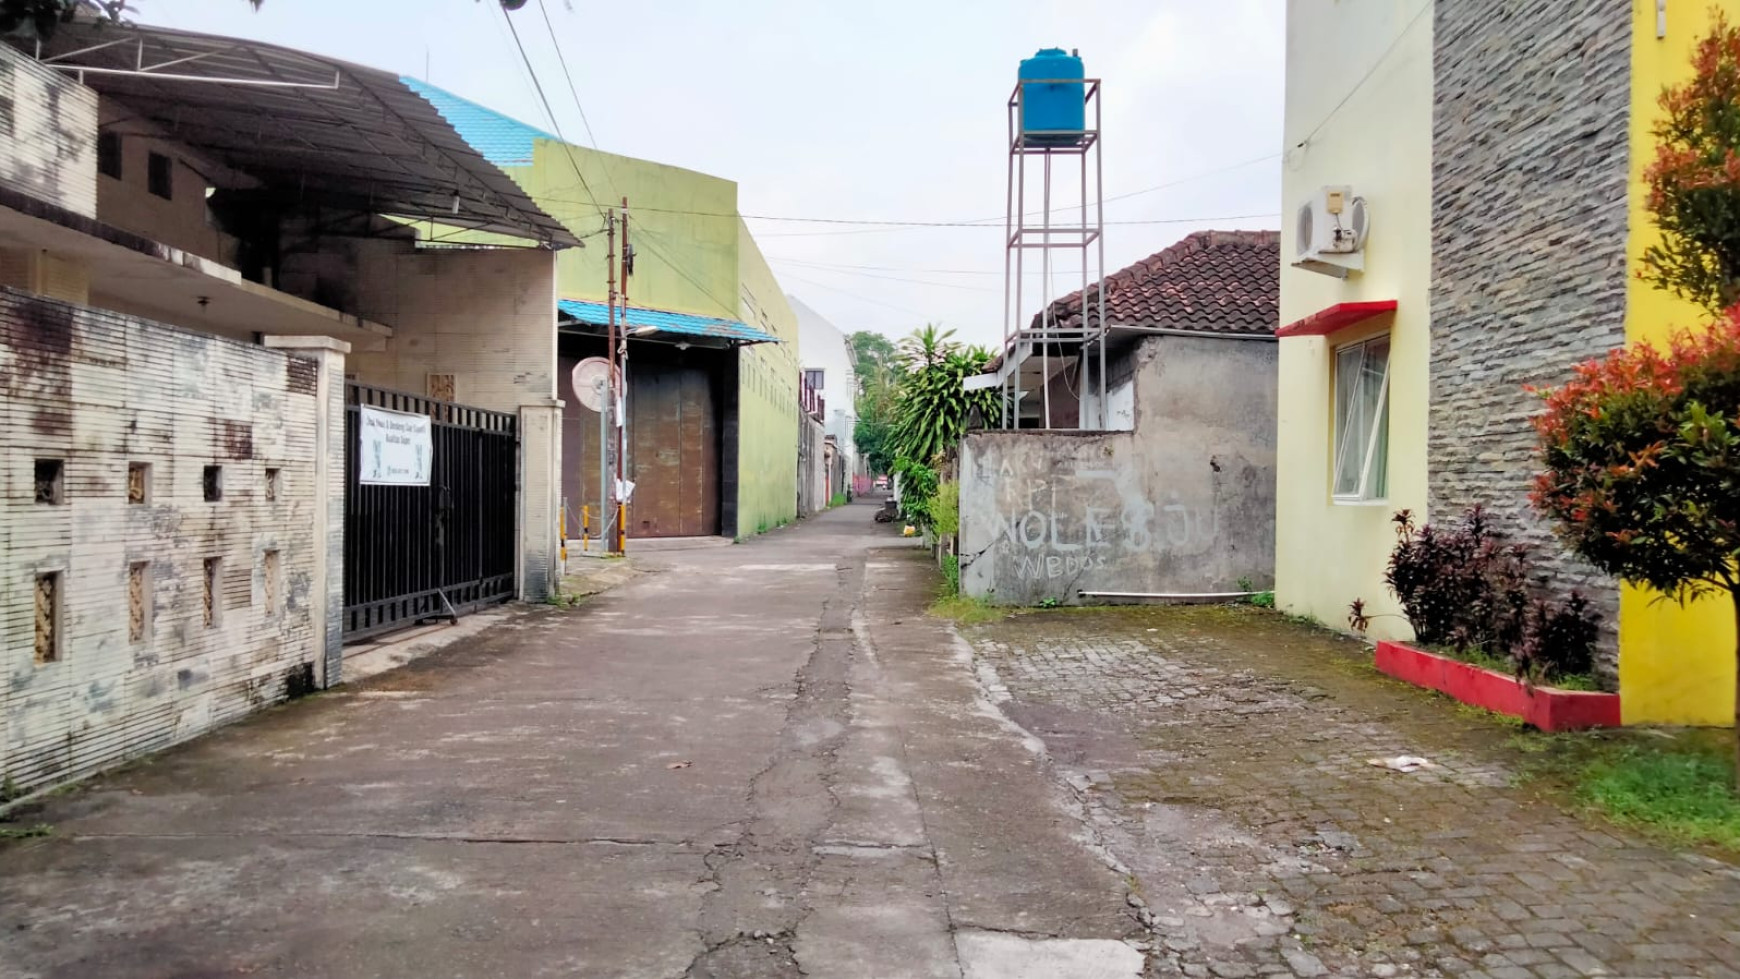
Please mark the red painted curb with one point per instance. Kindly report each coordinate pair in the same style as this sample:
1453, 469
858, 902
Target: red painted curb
1546, 708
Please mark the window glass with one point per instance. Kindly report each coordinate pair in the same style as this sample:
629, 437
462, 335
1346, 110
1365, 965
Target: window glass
1362, 420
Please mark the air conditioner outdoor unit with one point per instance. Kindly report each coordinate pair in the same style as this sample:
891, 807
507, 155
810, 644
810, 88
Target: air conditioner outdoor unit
1329, 235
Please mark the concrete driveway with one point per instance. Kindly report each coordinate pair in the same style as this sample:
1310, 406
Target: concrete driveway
757, 760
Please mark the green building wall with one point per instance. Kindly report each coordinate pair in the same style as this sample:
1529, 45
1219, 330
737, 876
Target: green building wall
694, 254
767, 400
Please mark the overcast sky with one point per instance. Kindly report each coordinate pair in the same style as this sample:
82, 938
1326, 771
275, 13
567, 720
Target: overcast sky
867, 111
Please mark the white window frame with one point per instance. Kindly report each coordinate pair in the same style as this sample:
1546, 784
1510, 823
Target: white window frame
1379, 428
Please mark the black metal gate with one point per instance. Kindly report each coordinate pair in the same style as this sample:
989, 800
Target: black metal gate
418, 552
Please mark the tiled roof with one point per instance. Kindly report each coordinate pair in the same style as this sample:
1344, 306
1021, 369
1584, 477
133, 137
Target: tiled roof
502, 140
1212, 281
638, 316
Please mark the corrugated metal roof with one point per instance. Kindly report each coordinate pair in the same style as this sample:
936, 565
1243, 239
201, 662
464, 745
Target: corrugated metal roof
502, 140
321, 130
704, 326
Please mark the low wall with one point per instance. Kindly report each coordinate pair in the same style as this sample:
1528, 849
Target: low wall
139, 608
1184, 503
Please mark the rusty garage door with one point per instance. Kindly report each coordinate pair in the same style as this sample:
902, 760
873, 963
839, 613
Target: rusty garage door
673, 454
673, 443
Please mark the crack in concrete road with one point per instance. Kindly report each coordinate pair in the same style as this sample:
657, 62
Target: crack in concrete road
759, 901
764, 763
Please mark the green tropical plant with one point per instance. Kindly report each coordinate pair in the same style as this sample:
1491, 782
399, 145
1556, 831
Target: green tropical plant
878, 370
951, 568
918, 483
933, 406
945, 509
876, 357
872, 433
1641, 457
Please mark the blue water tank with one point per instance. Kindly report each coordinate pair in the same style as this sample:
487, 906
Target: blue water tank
1053, 114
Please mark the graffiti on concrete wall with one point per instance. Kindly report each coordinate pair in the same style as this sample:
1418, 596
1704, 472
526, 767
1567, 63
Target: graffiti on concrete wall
1086, 520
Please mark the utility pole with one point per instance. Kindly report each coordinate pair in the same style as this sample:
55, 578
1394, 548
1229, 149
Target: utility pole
606, 444
622, 423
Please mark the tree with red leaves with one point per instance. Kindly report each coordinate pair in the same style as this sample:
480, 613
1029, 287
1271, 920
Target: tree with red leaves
1694, 181
1642, 466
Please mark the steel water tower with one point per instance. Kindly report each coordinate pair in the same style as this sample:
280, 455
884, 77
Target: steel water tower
1054, 232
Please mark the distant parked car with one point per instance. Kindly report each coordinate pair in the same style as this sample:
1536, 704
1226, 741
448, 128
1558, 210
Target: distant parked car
881, 482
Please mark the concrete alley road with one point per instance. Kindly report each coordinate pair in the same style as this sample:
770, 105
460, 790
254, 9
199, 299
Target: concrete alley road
758, 761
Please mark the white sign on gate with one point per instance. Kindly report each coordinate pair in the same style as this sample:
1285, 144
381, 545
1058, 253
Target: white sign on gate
396, 448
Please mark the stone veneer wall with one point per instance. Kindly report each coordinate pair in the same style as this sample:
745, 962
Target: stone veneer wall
1529, 164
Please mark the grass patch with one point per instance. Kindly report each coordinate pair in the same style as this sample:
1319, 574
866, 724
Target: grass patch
1677, 787
966, 610
1686, 796
25, 832
1261, 599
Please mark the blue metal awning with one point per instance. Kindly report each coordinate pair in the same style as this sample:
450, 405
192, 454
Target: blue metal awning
659, 321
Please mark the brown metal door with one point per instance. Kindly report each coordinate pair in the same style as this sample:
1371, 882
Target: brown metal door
673, 451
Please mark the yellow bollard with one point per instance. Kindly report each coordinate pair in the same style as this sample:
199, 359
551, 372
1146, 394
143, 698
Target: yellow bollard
585, 529
622, 528
562, 531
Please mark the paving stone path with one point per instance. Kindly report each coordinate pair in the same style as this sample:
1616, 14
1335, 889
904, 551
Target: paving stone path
1224, 757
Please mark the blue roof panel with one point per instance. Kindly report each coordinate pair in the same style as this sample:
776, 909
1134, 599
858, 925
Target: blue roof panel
705, 326
502, 140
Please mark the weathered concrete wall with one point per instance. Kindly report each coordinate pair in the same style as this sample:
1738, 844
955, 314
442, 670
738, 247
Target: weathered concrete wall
1184, 503
119, 663
812, 465
183, 219
1520, 299
1120, 396
46, 274
487, 318
485, 322
49, 149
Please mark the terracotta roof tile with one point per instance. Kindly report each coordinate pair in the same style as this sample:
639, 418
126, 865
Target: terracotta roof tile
1212, 281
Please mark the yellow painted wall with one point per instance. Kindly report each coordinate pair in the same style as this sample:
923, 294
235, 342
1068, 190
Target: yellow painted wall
1676, 665
767, 400
1380, 142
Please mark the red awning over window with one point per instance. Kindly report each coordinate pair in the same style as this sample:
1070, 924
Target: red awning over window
1337, 317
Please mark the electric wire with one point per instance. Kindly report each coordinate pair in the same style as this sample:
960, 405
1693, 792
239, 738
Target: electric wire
873, 225
1375, 65
974, 222
551, 113
649, 240
886, 278
574, 90
861, 298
